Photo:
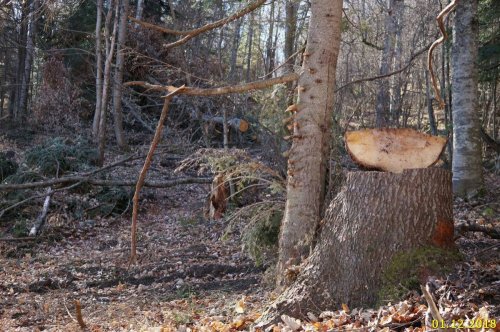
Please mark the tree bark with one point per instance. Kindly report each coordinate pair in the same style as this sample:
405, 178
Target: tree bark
291, 8
382, 106
28, 60
118, 77
99, 72
375, 216
467, 160
309, 154
110, 47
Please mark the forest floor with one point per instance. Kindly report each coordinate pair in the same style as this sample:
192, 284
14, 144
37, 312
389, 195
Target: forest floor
188, 278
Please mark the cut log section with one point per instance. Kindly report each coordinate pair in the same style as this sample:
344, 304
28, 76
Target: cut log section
240, 125
394, 149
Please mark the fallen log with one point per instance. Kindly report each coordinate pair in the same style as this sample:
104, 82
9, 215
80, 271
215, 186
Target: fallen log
40, 220
394, 149
96, 182
237, 124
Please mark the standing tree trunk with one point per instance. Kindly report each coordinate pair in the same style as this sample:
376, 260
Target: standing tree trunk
374, 217
270, 51
28, 60
110, 47
234, 51
118, 77
467, 160
139, 9
309, 154
98, 79
382, 106
430, 109
249, 46
291, 9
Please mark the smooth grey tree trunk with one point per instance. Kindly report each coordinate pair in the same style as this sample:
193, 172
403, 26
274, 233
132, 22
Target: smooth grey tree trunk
110, 47
467, 159
118, 76
310, 151
382, 106
99, 71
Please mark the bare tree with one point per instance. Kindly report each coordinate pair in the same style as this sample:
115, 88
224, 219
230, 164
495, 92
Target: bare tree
467, 158
309, 154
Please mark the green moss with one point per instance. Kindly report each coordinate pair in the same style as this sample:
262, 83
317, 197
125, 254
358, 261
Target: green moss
408, 270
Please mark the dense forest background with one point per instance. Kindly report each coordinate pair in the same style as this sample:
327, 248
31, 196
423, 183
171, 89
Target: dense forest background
83, 86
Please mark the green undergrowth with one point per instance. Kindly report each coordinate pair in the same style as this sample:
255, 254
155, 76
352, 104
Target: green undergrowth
7, 166
58, 156
408, 270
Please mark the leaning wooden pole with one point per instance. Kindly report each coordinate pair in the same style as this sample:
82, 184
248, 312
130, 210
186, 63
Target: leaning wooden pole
144, 171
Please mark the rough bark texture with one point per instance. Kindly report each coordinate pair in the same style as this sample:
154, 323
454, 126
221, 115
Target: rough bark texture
467, 167
310, 149
375, 216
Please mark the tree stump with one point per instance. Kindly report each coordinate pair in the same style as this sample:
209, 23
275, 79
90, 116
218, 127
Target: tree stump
375, 216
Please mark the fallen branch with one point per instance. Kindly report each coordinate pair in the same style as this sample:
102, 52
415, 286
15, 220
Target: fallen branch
467, 227
432, 305
256, 85
442, 15
95, 182
195, 32
144, 171
40, 221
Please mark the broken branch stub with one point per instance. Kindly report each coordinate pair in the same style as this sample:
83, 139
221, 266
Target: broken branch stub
394, 149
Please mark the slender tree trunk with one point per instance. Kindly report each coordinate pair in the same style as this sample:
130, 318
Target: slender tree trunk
110, 46
291, 8
375, 216
467, 158
249, 46
21, 61
118, 77
310, 151
28, 60
139, 9
430, 109
270, 52
234, 50
396, 102
99, 73
382, 107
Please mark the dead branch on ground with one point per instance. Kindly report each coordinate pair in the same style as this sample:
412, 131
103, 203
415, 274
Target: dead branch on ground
40, 221
473, 227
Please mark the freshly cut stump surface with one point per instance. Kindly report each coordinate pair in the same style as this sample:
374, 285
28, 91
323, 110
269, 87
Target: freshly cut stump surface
394, 149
